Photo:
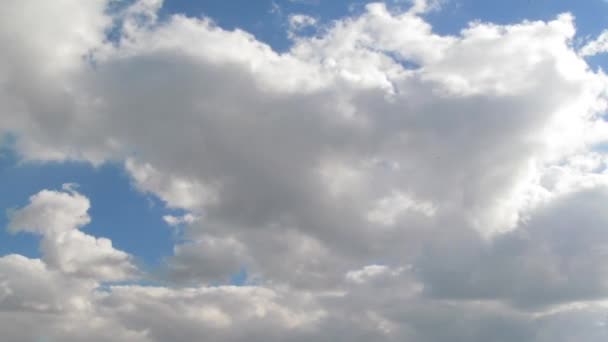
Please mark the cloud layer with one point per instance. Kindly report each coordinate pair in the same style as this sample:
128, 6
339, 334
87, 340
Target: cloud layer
378, 181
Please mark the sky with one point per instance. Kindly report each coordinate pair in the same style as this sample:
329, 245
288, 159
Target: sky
304, 170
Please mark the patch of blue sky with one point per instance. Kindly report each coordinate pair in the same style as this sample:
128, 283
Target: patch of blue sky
598, 62
132, 220
107, 286
240, 278
591, 15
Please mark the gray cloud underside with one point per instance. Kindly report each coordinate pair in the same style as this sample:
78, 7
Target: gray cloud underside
369, 200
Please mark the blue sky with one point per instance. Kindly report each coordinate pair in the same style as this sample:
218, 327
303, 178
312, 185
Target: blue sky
122, 213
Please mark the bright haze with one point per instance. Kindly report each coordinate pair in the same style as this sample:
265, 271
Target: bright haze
301, 170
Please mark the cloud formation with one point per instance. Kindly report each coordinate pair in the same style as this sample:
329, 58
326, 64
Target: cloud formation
57, 217
378, 181
596, 46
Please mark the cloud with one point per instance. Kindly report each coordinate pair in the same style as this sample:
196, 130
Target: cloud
371, 272
553, 258
179, 220
57, 216
299, 21
596, 46
376, 181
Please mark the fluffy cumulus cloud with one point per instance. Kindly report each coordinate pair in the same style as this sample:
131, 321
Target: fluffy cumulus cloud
57, 217
378, 181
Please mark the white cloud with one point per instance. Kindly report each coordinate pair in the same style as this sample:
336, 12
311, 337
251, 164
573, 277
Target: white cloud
478, 149
370, 272
388, 209
57, 216
51, 212
422, 6
597, 46
300, 21
175, 191
179, 220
